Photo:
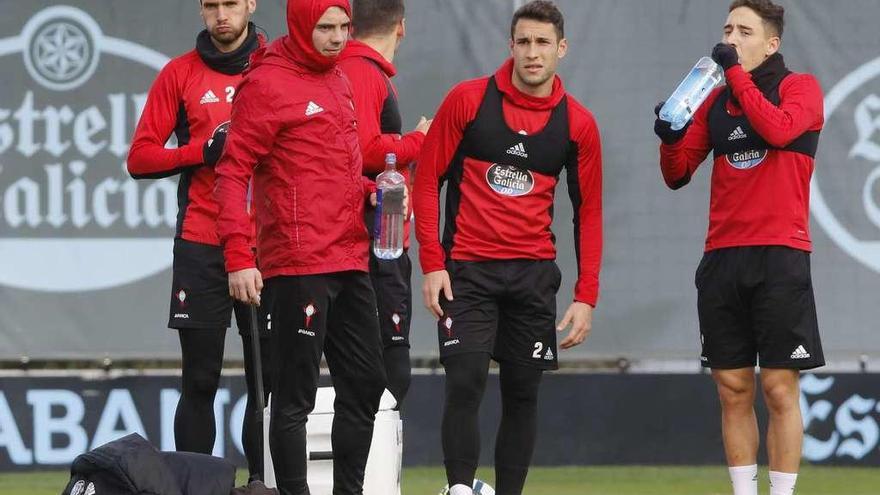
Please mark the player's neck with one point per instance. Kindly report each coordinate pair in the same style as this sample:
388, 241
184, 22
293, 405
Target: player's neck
542, 90
386, 45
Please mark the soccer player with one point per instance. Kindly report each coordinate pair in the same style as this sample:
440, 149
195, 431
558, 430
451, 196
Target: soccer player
500, 144
191, 98
754, 290
294, 133
378, 29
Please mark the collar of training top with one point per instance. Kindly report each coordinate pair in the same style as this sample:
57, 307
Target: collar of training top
767, 76
231, 63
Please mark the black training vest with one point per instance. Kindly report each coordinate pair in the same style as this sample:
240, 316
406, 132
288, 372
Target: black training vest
735, 138
489, 139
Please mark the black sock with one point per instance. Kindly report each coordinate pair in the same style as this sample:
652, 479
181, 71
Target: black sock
518, 429
465, 383
202, 351
399, 371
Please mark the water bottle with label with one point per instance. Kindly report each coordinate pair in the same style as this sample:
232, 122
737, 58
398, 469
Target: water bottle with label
691, 93
390, 190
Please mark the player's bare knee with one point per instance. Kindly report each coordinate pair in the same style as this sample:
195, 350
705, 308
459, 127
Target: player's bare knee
781, 397
735, 392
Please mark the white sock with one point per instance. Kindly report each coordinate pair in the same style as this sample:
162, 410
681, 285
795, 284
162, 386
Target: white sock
460, 489
782, 483
744, 479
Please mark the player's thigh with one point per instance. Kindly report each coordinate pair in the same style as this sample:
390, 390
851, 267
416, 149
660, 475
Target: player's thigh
527, 328
470, 321
784, 312
200, 288
726, 334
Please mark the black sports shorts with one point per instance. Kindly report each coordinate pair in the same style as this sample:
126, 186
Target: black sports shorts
506, 308
756, 306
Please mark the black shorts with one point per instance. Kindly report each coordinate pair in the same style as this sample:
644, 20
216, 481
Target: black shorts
756, 306
200, 291
392, 284
504, 308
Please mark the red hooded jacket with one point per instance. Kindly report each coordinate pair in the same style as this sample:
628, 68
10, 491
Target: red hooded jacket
294, 130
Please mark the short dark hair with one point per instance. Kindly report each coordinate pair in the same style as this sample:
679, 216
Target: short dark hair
370, 17
541, 11
773, 15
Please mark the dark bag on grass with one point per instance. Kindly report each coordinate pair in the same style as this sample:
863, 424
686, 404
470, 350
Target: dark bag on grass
132, 466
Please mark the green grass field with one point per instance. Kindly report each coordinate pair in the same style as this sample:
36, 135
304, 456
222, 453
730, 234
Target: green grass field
638, 480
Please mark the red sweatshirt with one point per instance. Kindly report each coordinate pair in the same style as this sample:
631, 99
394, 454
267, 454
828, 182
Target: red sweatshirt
767, 203
370, 75
492, 226
190, 100
379, 124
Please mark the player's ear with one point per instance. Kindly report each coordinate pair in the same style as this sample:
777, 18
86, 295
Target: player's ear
563, 48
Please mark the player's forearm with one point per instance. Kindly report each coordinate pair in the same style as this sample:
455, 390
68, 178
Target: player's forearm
152, 161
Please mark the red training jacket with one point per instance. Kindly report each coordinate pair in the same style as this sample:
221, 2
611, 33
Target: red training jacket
294, 130
768, 204
494, 227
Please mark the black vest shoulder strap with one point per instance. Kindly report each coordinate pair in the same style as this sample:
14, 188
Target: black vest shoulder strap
488, 137
729, 134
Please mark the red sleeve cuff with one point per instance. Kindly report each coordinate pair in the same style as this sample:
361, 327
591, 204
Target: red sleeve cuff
238, 254
192, 154
587, 291
736, 77
432, 258
369, 188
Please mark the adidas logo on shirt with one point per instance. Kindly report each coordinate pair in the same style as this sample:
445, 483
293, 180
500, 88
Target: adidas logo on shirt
800, 353
209, 97
737, 134
548, 356
518, 150
313, 108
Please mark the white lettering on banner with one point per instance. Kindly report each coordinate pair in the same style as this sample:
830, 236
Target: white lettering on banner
68, 425
67, 204
863, 155
59, 435
856, 433
119, 407
10, 438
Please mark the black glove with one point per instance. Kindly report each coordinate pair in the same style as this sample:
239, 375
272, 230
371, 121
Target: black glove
725, 55
213, 147
663, 129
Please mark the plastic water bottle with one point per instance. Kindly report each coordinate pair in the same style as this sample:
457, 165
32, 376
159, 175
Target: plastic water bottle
390, 190
691, 93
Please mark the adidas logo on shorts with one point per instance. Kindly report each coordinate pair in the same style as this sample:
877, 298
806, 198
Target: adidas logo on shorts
800, 353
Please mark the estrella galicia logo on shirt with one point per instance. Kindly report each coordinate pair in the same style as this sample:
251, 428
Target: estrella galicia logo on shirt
743, 160
509, 180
